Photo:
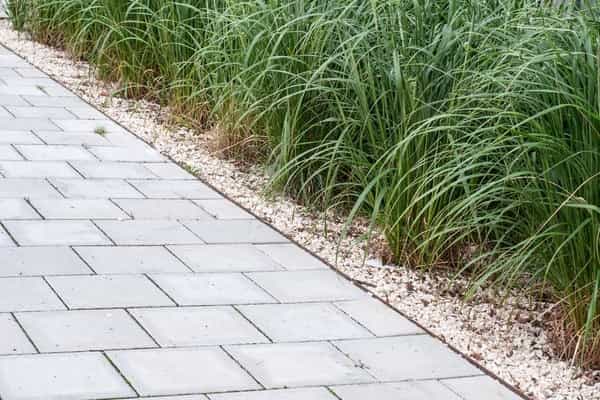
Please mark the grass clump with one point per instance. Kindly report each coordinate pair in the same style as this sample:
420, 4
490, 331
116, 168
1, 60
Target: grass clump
100, 130
469, 131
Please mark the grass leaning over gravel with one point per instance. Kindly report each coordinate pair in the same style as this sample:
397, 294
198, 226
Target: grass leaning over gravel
468, 131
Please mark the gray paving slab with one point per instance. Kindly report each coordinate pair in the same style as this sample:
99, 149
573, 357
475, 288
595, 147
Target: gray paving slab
37, 169
174, 189
8, 153
54, 152
480, 387
47, 101
27, 188
14, 340
17, 209
163, 209
78, 209
108, 291
130, 259
125, 139
55, 233
303, 322
292, 257
427, 390
83, 330
4, 113
223, 209
39, 112
27, 294
72, 138
318, 393
30, 72
128, 154
19, 90
235, 231
94, 188
40, 261
148, 232
224, 258
211, 289
11, 60
307, 286
60, 377
92, 125
57, 91
86, 112
378, 318
190, 397
41, 81
5, 240
116, 170
197, 326
179, 371
298, 364
12, 100
7, 72
424, 358
18, 137
24, 124
170, 171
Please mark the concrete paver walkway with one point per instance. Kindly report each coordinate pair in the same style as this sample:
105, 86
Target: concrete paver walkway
122, 276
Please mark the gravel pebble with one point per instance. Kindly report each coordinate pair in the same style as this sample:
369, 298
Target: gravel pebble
507, 338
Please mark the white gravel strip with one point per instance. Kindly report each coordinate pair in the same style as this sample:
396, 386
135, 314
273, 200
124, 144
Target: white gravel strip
506, 338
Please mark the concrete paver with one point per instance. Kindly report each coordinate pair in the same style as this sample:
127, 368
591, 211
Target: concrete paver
37, 169
162, 209
95, 189
277, 394
27, 294
211, 289
298, 364
55, 233
59, 152
235, 231
59, 331
108, 291
8, 153
428, 358
174, 189
148, 232
223, 209
183, 370
479, 387
72, 138
27, 189
130, 259
197, 326
60, 376
292, 257
40, 261
19, 137
426, 390
13, 340
306, 286
17, 209
78, 209
377, 318
225, 258
303, 322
